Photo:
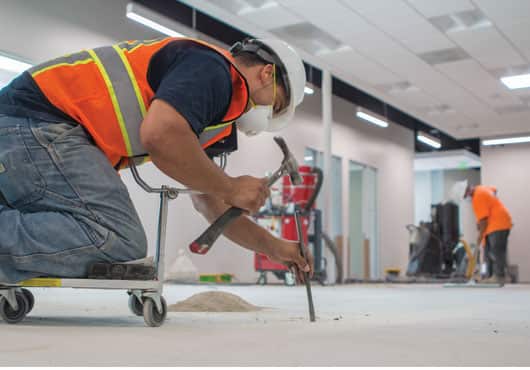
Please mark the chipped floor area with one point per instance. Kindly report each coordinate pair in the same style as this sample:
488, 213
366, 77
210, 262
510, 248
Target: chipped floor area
356, 325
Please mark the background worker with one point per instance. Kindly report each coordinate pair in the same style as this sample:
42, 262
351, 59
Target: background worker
68, 124
494, 224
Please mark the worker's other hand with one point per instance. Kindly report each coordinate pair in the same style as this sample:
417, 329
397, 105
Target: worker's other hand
248, 193
288, 253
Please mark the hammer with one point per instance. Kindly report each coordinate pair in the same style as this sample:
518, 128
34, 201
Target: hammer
289, 166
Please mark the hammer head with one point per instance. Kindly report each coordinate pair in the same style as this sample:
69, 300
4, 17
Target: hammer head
289, 164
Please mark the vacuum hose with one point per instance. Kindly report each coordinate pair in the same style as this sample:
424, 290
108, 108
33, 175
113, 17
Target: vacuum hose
335, 252
327, 240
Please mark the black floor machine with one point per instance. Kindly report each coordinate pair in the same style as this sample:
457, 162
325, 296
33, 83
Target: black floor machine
435, 249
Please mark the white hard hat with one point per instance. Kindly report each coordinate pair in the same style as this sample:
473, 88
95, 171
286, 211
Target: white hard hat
291, 70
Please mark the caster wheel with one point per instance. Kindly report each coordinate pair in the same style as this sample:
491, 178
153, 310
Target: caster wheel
135, 305
30, 298
14, 316
152, 316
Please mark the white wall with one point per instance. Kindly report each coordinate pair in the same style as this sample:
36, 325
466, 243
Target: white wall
422, 196
507, 169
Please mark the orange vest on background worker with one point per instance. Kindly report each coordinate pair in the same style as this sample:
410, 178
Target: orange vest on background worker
486, 204
106, 90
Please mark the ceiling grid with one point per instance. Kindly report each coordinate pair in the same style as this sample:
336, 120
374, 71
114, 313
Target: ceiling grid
438, 60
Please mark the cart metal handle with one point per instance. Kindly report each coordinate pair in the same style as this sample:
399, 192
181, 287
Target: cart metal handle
171, 192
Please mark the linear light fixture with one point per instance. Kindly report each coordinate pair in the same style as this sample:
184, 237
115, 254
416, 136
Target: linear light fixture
12, 65
308, 90
134, 12
508, 140
517, 82
429, 140
372, 119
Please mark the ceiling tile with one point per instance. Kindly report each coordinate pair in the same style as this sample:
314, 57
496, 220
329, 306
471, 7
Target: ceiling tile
319, 12
331, 16
403, 24
242, 7
452, 94
460, 21
272, 17
435, 8
505, 10
418, 99
308, 37
513, 20
356, 64
471, 76
512, 108
423, 38
488, 46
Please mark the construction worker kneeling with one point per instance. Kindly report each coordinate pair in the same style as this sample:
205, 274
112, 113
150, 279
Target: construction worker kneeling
67, 126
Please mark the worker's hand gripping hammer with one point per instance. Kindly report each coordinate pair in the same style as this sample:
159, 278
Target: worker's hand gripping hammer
289, 166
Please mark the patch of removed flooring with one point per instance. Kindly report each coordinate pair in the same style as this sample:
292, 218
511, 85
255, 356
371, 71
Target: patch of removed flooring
213, 302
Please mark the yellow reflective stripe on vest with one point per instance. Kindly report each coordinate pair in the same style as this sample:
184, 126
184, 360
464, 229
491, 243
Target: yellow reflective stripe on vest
125, 95
212, 131
221, 125
131, 46
82, 57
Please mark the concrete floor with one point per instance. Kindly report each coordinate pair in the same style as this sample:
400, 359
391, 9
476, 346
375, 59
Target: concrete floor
357, 325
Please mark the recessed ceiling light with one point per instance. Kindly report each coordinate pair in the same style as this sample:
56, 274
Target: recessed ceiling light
429, 140
134, 13
517, 82
508, 140
372, 119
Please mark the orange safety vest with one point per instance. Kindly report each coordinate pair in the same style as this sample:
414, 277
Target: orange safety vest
106, 90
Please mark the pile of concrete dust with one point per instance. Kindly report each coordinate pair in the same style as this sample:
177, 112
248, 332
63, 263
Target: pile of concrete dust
213, 302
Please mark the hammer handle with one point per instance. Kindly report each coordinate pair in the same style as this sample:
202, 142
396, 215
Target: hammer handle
204, 242
275, 176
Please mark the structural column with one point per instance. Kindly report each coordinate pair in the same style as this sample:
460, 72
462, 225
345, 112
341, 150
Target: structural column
326, 126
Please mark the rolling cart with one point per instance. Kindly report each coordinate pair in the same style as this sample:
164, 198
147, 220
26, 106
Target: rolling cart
143, 281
